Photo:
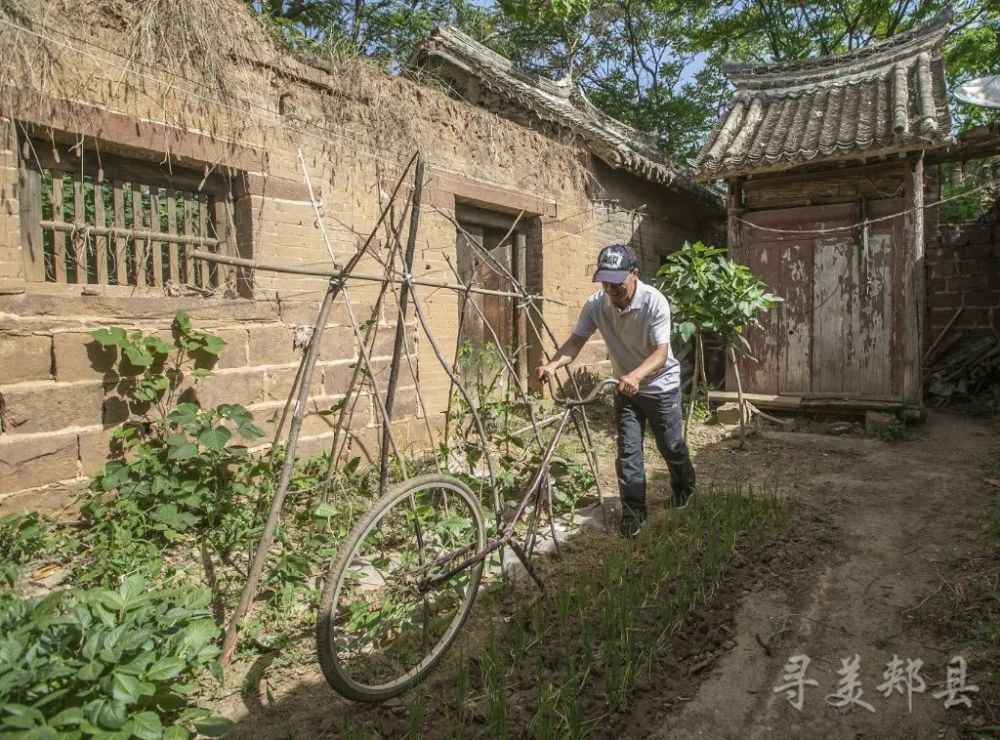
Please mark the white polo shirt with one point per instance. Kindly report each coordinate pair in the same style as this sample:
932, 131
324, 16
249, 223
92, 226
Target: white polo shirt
631, 334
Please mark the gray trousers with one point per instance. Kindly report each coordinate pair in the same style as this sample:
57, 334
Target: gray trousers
662, 409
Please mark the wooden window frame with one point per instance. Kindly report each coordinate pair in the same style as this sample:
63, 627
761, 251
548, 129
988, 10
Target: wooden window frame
164, 251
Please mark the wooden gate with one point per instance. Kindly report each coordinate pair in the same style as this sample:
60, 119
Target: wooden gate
839, 330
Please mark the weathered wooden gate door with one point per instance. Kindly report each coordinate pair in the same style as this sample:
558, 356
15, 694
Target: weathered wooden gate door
838, 331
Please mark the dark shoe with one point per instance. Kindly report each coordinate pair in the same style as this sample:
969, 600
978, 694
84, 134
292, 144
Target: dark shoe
632, 523
683, 497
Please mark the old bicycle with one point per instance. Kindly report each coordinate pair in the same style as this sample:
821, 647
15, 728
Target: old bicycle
407, 576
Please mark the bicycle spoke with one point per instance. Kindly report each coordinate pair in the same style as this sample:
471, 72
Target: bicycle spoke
390, 610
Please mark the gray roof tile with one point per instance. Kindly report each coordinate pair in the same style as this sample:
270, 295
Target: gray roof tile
862, 104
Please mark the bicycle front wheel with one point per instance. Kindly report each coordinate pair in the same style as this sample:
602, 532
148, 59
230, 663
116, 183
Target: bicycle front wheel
390, 610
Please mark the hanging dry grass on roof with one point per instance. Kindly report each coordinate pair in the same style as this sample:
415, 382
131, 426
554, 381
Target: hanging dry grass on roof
26, 64
205, 39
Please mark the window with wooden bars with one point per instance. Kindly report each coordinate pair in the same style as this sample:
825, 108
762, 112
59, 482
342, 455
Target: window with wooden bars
106, 219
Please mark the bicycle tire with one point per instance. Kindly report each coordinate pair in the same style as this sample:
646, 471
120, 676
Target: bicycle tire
329, 638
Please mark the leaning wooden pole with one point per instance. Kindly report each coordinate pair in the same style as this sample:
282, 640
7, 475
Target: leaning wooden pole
267, 536
334, 287
739, 396
397, 347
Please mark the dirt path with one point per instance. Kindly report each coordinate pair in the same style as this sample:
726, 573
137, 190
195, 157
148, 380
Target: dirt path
902, 511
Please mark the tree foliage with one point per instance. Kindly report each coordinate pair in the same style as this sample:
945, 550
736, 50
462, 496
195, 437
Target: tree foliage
655, 64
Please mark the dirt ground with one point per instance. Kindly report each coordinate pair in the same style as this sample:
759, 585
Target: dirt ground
881, 532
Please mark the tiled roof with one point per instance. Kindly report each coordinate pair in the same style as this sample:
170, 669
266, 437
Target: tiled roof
562, 103
866, 103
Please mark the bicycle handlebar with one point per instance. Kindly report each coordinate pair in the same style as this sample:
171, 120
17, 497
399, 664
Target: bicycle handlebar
589, 398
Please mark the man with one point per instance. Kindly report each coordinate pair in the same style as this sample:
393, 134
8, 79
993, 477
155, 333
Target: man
634, 320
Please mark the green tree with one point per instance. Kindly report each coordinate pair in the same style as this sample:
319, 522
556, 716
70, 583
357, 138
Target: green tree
654, 64
710, 295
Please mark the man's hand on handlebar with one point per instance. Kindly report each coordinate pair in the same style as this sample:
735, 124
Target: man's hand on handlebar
628, 385
545, 373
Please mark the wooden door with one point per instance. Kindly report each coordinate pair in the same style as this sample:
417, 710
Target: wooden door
837, 332
487, 258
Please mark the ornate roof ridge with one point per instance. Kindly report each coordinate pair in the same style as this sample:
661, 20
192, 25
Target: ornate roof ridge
868, 60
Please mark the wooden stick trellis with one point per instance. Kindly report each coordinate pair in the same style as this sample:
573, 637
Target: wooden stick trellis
397, 277
302, 396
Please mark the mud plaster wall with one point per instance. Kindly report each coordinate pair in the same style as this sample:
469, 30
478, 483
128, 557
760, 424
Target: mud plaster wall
355, 130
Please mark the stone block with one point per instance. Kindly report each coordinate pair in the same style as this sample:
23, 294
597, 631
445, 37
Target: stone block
40, 459
245, 388
61, 499
272, 345
338, 343
278, 382
385, 341
47, 407
309, 446
729, 413
95, 448
234, 354
406, 404
337, 378
80, 357
25, 357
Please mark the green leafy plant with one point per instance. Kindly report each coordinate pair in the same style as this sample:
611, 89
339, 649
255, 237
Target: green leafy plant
106, 663
710, 295
181, 473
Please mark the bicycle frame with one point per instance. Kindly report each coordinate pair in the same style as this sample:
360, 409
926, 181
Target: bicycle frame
534, 490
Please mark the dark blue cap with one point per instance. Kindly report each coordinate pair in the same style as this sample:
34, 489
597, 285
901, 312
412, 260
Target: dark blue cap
614, 263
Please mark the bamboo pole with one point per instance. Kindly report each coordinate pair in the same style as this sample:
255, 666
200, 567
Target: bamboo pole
334, 287
404, 295
223, 259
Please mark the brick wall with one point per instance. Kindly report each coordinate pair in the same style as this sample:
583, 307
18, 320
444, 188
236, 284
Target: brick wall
59, 403
963, 268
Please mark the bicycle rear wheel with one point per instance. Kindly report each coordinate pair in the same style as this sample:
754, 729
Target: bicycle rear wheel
386, 615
